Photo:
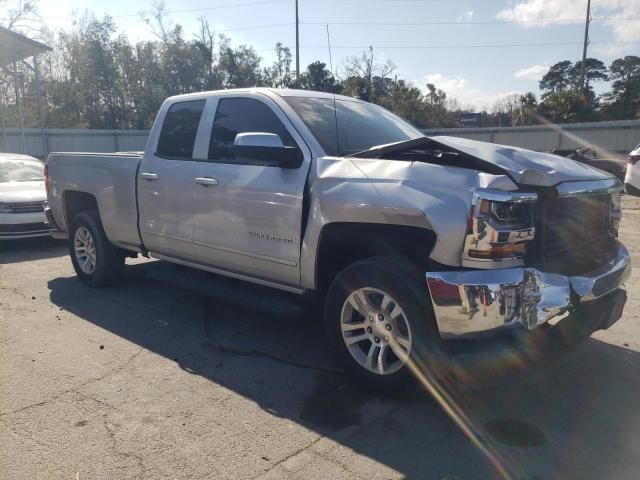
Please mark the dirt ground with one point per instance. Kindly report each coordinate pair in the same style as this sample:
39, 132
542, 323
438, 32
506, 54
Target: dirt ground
179, 374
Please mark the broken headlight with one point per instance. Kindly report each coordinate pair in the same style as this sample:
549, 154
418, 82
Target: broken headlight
501, 225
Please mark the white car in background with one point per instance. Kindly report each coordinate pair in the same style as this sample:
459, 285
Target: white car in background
632, 178
22, 197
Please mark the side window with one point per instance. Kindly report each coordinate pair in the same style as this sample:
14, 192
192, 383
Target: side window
179, 129
239, 115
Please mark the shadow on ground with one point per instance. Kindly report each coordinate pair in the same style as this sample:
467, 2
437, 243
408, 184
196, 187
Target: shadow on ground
29, 249
574, 418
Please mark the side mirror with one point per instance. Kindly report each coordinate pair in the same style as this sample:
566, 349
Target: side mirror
267, 149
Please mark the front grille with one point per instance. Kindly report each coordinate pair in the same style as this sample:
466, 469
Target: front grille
574, 233
23, 228
25, 207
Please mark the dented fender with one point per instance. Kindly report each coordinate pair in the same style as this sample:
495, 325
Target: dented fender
391, 192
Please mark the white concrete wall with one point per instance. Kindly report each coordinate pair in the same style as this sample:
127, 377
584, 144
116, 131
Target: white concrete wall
615, 137
73, 140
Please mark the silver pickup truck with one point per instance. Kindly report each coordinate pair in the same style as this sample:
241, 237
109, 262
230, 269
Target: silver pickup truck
412, 242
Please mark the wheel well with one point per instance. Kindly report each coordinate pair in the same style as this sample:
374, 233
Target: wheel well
342, 244
76, 202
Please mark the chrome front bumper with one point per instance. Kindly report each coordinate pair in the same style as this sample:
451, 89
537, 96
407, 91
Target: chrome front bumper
476, 302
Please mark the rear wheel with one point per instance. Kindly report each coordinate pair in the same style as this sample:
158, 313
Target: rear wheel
96, 261
379, 320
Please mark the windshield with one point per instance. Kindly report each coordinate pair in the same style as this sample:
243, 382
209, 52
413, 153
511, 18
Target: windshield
21, 171
351, 126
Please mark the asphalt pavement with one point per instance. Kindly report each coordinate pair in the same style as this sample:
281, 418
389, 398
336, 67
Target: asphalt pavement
181, 374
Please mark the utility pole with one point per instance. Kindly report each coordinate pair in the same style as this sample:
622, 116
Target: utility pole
5, 147
329, 45
18, 79
586, 42
297, 43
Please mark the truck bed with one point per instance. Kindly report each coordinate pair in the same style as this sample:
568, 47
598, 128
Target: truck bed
110, 178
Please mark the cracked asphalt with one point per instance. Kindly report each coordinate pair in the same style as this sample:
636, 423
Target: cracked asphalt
181, 374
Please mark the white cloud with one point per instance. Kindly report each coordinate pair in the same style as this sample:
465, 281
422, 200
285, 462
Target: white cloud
447, 83
534, 72
623, 16
459, 89
544, 12
466, 16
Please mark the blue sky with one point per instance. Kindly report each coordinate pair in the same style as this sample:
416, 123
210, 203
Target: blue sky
473, 75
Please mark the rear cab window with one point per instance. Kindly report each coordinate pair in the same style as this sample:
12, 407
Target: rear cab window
179, 129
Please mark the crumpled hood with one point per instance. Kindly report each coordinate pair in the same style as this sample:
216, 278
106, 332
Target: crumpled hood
525, 167
22, 192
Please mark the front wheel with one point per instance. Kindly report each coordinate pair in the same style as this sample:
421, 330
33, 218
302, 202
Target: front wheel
379, 320
96, 261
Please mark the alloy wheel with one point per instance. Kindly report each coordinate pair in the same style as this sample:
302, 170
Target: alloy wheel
85, 250
375, 330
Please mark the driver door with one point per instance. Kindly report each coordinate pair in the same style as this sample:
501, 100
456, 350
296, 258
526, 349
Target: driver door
249, 214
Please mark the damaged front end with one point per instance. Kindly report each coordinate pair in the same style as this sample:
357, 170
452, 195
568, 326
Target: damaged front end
547, 275
542, 246
475, 302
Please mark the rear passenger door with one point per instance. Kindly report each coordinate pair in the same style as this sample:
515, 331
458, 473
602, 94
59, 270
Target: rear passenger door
166, 188
250, 221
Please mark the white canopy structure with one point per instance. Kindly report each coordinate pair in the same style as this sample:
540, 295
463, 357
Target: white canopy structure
16, 48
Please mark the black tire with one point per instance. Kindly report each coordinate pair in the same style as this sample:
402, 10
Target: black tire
407, 286
109, 261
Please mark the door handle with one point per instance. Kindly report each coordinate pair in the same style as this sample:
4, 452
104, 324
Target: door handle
149, 176
206, 181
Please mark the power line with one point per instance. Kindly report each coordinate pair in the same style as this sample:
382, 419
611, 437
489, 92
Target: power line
397, 1
256, 27
463, 22
202, 9
502, 45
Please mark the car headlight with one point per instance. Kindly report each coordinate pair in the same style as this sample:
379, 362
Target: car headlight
500, 227
4, 208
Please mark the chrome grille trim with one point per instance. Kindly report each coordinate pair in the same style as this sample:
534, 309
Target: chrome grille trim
591, 187
25, 207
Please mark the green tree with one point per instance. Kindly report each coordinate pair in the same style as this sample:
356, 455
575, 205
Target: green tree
240, 66
595, 71
557, 79
93, 78
364, 74
435, 108
206, 42
566, 106
408, 102
279, 74
356, 87
624, 98
527, 108
317, 77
